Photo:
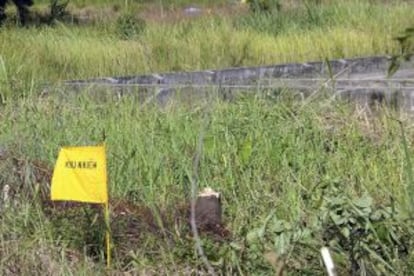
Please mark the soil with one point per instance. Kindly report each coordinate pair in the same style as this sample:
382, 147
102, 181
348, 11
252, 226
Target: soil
130, 222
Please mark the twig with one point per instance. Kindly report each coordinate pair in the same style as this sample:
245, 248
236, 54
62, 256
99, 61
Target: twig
194, 179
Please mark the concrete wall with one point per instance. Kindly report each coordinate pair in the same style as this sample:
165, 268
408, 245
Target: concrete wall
363, 80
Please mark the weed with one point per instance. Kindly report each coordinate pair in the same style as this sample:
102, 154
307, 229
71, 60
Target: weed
406, 43
264, 6
129, 26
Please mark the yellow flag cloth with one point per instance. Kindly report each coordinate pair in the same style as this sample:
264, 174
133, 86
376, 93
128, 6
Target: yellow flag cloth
80, 175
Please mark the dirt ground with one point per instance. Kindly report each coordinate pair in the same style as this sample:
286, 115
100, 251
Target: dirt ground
130, 222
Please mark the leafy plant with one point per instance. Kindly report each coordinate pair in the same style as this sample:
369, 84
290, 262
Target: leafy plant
129, 26
284, 241
406, 44
261, 6
365, 237
372, 237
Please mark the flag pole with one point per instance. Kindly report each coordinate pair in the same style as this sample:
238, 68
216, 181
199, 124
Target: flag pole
107, 236
107, 218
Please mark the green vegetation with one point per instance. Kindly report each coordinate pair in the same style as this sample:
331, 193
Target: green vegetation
294, 176
343, 29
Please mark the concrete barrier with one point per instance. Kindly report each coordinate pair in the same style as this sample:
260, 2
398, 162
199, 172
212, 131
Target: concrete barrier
363, 80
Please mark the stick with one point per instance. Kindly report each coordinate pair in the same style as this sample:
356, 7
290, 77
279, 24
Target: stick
194, 180
327, 259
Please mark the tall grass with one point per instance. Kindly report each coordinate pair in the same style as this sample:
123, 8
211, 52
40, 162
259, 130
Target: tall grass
262, 156
68, 52
275, 133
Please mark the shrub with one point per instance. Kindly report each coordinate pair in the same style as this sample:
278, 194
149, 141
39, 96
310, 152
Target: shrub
129, 26
264, 5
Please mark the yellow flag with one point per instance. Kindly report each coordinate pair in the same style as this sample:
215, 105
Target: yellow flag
80, 175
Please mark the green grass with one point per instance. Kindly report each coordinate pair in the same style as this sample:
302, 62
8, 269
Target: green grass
294, 175
68, 52
263, 157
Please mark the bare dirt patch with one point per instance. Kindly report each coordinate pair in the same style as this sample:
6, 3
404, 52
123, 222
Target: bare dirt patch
83, 224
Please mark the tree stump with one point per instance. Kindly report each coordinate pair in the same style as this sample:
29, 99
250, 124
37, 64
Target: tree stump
208, 210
